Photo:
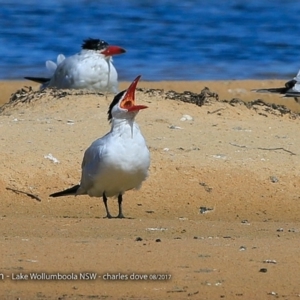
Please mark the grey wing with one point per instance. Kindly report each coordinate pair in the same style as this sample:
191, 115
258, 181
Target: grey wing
292, 94
91, 165
282, 90
63, 77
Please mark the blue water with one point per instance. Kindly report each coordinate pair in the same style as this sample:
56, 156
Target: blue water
165, 40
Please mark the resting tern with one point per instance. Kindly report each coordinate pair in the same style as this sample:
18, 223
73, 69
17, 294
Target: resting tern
119, 161
90, 69
291, 88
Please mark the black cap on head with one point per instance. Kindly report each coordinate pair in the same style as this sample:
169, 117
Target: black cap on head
94, 44
114, 102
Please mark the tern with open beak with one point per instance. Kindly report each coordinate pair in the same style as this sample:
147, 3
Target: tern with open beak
119, 161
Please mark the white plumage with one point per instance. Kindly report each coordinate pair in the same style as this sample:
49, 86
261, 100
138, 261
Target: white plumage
90, 69
115, 163
119, 161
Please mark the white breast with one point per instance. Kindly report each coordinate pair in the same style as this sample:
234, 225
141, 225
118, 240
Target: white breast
115, 163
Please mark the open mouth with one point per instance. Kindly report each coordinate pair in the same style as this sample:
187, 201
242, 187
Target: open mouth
127, 104
128, 101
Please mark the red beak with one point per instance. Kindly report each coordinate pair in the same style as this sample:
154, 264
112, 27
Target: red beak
128, 101
113, 50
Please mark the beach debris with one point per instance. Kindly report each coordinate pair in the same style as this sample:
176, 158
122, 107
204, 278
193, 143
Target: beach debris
206, 187
206, 96
70, 122
246, 222
220, 156
243, 248
156, 229
25, 94
204, 255
202, 237
177, 289
26, 193
261, 148
239, 146
235, 101
238, 128
174, 127
32, 260
274, 179
281, 137
52, 158
279, 229
205, 270
204, 209
270, 261
273, 293
28, 95
217, 283
263, 270
158, 240
138, 239
237, 91
186, 118
215, 111
278, 148
151, 92
198, 238
190, 97
259, 104
166, 149
190, 149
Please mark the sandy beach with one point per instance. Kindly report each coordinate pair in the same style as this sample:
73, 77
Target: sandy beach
218, 217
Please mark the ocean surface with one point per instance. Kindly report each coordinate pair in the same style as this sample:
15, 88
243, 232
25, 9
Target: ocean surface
165, 40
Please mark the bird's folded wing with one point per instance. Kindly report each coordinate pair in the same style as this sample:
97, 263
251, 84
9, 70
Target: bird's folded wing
292, 94
38, 79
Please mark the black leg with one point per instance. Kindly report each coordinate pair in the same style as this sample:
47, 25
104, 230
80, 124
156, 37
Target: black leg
108, 215
120, 215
